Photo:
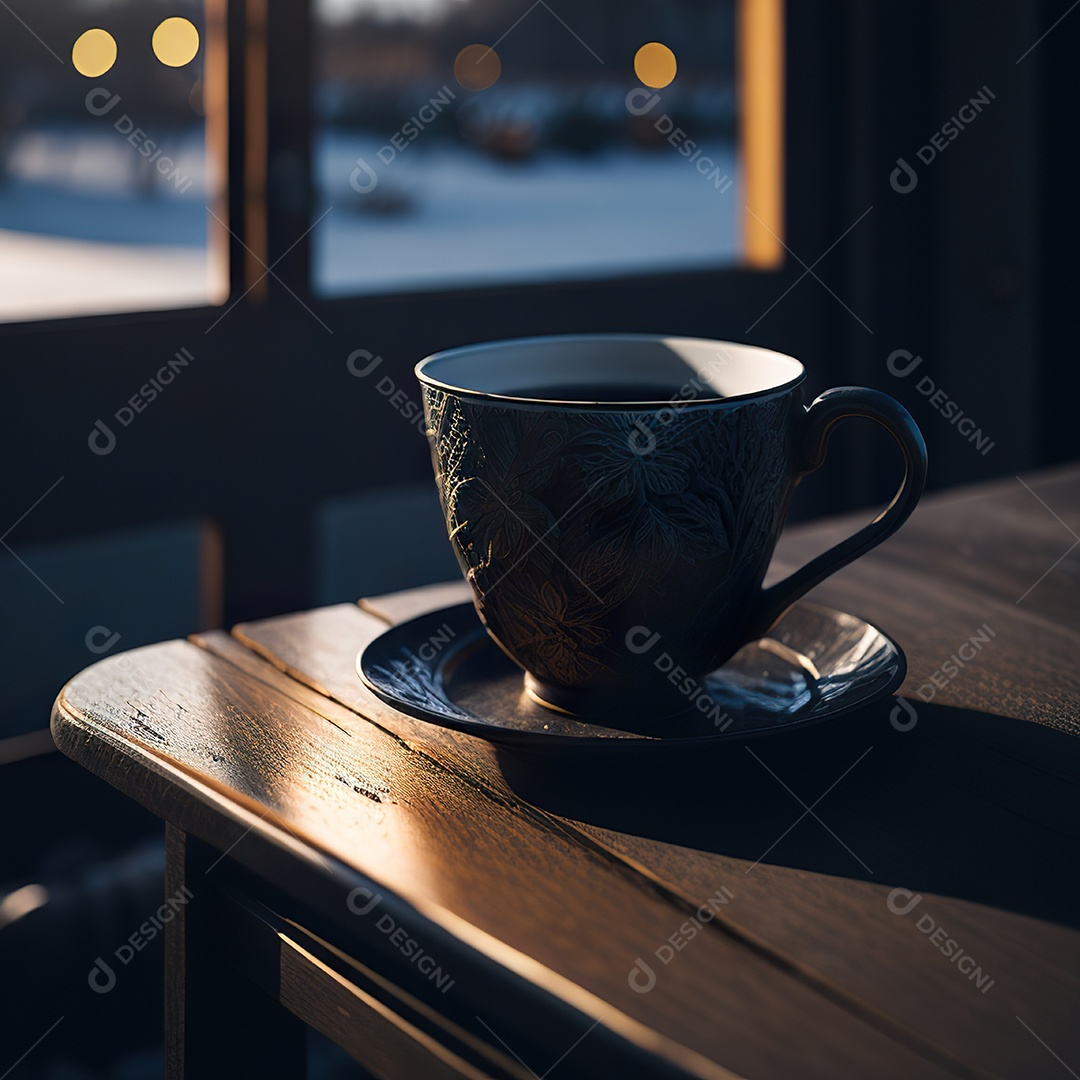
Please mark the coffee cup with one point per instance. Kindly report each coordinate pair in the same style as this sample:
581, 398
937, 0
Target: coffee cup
608, 495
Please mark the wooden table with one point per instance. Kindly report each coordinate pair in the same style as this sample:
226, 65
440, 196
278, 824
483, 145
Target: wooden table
891, 895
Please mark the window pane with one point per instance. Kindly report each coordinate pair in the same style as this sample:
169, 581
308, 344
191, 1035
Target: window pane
466, 142
105, 177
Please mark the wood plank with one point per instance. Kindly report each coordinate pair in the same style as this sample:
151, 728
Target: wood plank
915, 848
993, 826
512, 990
1002, 539
493, 1059
377, 1038
1026, 670
494, 874
965, 560
984, 781
407, 604
318, 649
1023, 774
961, 527
826, 945
213, 1027
845, 932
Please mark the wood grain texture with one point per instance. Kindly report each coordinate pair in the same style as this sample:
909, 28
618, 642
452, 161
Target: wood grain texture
989, 779
577, 868
397, 607
277, 828
844, 934
965, 560
423, 833
838, 932
493, 1061
388, 1045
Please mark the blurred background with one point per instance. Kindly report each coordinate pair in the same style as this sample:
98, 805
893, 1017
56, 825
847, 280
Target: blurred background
228, 230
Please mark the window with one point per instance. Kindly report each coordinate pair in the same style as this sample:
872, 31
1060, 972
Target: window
311, 83
476, 142
456, 143
112, 135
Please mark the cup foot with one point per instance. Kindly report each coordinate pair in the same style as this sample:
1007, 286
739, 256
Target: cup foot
628, 711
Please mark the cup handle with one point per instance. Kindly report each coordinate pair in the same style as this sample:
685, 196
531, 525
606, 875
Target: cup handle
820, 418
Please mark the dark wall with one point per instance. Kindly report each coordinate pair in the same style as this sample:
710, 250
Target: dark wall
972, 270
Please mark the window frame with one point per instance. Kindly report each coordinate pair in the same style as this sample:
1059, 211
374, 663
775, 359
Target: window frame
273, 410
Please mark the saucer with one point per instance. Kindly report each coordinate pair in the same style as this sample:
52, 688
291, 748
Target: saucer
816, 664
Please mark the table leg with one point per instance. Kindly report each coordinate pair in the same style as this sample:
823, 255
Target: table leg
217, 1023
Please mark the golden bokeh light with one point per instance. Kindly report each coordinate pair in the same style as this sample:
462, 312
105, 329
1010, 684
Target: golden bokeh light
93, 53
175, 42
654, 65
477, 67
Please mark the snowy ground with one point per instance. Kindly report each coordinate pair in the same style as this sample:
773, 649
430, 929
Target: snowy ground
85, 228
45, 276
473, 220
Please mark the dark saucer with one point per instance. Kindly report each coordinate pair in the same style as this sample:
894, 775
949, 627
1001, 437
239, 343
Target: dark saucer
815, 665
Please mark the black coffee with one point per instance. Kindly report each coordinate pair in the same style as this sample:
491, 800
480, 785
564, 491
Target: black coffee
635, 392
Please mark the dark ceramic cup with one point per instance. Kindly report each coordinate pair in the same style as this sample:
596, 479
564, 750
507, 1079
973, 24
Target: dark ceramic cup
614, 498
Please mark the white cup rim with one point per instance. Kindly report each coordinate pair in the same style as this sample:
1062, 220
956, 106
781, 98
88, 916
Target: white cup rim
717, 371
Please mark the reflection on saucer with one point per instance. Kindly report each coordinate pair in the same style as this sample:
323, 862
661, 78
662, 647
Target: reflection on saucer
815, 665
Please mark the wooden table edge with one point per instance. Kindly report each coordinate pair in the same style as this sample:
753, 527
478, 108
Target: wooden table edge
192, 809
